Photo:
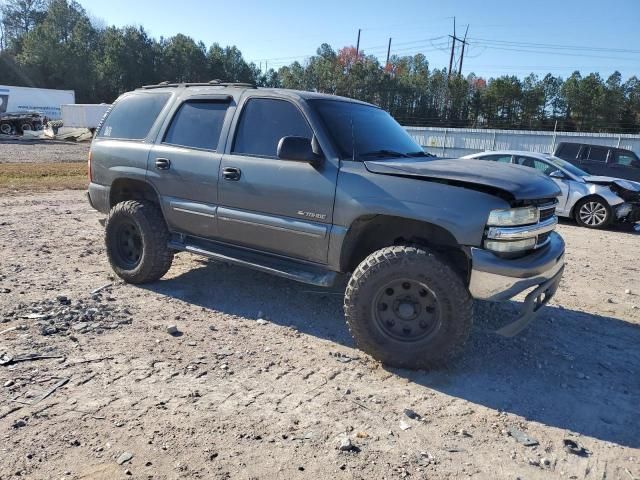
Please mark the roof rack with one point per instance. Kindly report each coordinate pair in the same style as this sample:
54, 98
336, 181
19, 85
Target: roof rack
216, 82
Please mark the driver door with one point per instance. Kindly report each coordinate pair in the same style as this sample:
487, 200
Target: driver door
274, 205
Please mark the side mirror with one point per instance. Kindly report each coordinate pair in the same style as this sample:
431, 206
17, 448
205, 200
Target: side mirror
299, 149
557, 174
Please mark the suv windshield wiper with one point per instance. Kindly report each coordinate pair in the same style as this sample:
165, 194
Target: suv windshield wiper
384, 153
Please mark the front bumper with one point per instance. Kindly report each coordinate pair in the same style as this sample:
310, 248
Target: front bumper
628, 212
498, 279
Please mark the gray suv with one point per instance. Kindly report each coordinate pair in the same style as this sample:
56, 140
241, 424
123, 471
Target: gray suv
311, 186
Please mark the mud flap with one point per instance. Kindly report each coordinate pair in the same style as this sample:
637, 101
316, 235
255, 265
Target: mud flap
533, 302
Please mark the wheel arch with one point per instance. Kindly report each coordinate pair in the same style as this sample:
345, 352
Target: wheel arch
125, 188
369, 233
587, 197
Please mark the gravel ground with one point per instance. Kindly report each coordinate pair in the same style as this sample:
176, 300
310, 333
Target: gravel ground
14, 150
261, 380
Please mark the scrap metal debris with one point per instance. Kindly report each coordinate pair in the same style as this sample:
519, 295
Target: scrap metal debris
572, 447
522, 437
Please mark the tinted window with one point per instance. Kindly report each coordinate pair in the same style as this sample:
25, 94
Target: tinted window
497, 158
132, 116
560, 163
626, 159
197, 124
264, 122
598, 154
569, 150
539, 165
373, 130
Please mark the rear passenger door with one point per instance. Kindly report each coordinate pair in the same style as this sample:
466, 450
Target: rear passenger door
183, 165
275, 205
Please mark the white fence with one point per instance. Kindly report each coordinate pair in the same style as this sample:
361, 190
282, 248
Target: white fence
456, 142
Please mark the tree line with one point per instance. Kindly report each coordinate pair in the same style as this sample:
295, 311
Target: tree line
55, 44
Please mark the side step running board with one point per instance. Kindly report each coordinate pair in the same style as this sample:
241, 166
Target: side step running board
298, 271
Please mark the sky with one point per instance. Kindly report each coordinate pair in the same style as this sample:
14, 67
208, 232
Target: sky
513, 37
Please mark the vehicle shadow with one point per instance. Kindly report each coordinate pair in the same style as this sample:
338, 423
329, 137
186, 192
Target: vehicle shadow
570, 370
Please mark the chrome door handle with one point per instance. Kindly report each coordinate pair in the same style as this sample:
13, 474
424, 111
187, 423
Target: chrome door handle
163, 163
231, 173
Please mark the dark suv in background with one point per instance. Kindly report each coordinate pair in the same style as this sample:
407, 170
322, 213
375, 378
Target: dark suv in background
601, 160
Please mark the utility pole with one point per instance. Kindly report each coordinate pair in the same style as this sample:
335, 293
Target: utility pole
388, 52
453, 46
464, 43
358, 44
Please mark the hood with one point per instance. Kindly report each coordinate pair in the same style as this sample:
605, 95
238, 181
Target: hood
520, 183
626, 184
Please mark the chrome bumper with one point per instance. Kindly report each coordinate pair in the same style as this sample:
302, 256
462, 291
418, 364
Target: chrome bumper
498, 279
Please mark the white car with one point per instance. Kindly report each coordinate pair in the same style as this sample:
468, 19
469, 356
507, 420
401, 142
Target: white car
593, 201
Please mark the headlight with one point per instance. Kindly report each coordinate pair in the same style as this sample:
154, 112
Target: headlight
501, 246
513, 216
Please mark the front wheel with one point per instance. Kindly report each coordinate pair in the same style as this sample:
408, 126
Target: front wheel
136, 238
407, 308
593, 213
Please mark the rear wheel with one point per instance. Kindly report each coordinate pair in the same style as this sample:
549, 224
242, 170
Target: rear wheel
6, 128
25, 127
136, 238
407, 308
592, 212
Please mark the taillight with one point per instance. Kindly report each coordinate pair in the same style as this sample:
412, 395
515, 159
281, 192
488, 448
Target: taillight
89, 167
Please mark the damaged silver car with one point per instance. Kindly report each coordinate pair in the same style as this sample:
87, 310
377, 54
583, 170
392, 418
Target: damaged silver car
593, 201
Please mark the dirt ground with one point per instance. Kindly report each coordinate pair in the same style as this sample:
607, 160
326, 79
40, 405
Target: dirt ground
263, 380
17, 150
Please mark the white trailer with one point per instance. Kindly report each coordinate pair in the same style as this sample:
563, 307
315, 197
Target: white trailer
44, 100
83, 115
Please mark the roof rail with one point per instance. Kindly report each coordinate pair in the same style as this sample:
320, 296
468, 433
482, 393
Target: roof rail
215, 82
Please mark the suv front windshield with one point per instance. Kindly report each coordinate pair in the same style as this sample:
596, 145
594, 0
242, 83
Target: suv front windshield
572, 169
376, 133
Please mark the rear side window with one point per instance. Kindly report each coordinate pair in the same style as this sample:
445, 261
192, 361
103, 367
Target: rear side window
497, 158
264, 122
197, 124
132, 116
598, 154
569, 151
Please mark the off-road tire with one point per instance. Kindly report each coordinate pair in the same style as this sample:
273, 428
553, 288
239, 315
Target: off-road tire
6, 128
156, 258
399, 262
588, 200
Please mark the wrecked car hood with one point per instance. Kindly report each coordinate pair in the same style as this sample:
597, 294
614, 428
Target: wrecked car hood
522, 183
600, 180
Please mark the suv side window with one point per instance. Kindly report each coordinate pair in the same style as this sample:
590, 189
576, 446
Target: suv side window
263, 122
625, 159
598, 154
132, 116
197, 124
497, 158
569, 150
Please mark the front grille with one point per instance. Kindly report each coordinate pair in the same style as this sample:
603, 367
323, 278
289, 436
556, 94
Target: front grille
542, 239
547, 213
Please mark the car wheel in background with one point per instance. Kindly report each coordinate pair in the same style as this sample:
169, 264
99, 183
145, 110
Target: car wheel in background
592, 212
